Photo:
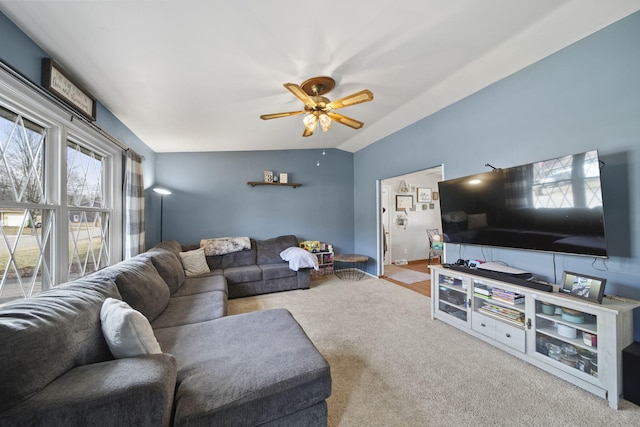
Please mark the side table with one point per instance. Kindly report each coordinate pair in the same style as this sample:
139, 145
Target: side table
350, 266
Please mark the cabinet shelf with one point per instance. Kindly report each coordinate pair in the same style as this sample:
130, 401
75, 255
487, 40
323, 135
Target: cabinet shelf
589, 325
254, 183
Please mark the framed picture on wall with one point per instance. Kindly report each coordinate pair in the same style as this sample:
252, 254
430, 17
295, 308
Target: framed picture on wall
424, 195
404, 203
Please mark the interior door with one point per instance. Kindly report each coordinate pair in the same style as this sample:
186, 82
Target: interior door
386, 195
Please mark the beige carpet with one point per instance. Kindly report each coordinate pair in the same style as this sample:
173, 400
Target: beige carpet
393, 366
404, 275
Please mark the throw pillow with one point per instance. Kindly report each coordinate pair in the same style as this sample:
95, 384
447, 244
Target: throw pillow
194, 262
127, 332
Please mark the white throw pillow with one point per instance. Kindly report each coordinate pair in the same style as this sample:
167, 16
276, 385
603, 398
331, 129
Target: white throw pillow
127, 332
194, 262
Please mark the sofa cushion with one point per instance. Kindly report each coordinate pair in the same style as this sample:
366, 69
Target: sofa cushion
127, 332
194, 262
140, 285
45, 336
169, 267
236, 259
170, 245
192, 309
268, 251
249, 273
135, 391
201, 284
275, 369
276, 271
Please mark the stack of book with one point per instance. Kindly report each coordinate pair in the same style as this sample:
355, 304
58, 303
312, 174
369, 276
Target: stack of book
504, 313
507, 296
481, 290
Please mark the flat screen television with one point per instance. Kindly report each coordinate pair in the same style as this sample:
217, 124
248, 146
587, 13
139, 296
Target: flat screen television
553, 205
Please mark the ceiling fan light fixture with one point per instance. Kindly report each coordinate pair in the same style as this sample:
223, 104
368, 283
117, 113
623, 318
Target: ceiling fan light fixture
310, 121
325, 122
317, 108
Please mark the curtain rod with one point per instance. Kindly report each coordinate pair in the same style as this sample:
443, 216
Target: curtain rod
74, 115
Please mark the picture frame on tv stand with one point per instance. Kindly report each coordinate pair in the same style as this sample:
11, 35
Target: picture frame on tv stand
583, 286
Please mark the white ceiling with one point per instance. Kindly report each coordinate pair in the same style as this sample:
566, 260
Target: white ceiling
196, 75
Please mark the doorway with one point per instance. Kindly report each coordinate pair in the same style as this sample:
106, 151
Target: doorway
408, 205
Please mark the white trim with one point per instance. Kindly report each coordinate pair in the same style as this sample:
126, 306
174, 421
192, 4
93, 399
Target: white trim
62, 125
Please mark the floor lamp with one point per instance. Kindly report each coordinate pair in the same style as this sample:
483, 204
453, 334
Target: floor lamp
162, 192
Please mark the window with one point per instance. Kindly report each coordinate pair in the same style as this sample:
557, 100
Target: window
60, 194
88, 212
25, 218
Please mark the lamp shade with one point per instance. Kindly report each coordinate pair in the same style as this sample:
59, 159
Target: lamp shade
162, 191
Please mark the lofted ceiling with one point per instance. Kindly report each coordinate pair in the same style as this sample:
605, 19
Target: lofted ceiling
190, 76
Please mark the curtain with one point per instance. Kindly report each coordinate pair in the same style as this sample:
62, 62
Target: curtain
133, 205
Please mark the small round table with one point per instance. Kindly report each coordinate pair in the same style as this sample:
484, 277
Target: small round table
350, 266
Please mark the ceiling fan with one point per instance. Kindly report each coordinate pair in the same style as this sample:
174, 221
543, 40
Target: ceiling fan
319, 109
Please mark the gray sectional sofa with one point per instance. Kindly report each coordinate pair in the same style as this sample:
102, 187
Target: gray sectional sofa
258, 368
258, 270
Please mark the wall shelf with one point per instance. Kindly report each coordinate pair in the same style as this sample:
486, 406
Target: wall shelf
254, 183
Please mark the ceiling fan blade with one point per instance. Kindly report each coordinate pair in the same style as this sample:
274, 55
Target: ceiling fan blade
356, 98
300, 94
278, 115
347, 121
307, 132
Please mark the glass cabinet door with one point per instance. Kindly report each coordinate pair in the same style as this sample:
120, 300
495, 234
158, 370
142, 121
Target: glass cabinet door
452, 296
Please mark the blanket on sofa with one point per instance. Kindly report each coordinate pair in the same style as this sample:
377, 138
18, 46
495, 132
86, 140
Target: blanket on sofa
225, 245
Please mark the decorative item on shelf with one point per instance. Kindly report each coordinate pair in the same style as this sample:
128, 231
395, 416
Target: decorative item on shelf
548, 308
311, 245
275, 177
284, 178
583, 286
268, 176
573, 316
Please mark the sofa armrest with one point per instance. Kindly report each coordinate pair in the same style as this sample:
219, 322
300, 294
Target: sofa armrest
136, 391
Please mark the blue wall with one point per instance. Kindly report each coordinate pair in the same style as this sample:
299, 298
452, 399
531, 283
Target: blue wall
583, 97
211, 197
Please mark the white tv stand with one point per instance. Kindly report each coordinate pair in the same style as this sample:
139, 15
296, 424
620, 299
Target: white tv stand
530, 327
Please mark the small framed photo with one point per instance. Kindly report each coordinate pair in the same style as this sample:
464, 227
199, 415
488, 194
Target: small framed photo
268, 176
583, 286
424, 195
284, 178
404, 203
435, 195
